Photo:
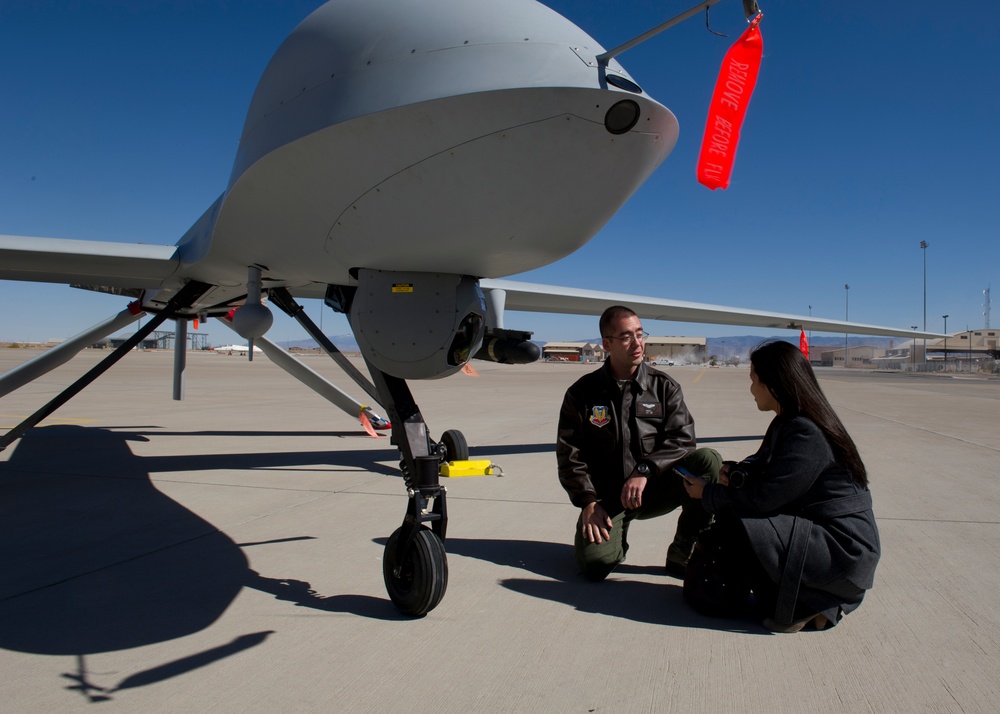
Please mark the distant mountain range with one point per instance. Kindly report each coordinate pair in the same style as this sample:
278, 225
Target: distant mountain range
741, 345
721, 347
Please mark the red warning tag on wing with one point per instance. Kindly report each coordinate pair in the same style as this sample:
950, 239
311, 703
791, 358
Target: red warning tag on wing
736, 82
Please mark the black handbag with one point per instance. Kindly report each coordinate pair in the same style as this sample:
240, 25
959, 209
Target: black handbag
715, 582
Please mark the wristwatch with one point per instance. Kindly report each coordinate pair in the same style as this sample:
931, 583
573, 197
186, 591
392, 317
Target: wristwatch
642, 469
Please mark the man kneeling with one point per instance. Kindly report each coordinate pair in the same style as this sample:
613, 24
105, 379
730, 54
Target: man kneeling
622, 430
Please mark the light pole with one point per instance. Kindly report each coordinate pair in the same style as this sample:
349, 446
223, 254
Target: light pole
810, 331
945, 342
968, 336
913, 349
846, 313
923, 247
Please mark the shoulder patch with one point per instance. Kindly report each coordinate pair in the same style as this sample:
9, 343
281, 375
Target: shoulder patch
599, 416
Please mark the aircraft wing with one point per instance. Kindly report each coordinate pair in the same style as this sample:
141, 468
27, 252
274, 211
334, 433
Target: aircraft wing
105, 263
532, 297
136, 265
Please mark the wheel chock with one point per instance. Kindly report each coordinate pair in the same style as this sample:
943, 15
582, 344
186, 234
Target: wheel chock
454, 469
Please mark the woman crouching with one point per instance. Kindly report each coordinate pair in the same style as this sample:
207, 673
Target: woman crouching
794, 522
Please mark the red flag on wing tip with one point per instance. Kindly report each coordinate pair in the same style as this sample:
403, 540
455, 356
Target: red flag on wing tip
804, 344
736, 82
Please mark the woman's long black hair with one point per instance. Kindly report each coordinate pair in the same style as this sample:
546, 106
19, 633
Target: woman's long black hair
787, 374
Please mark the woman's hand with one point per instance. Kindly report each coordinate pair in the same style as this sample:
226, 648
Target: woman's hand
724, 472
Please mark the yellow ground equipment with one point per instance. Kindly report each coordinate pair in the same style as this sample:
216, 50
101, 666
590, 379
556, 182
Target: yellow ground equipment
454, 469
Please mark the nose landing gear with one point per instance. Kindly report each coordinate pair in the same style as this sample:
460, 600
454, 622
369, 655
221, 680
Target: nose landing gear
415, 579
453, 446
415, 565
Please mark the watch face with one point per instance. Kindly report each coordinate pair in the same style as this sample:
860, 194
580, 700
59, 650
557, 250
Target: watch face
643, 469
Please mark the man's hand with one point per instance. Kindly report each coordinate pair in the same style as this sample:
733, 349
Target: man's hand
632, 491
596, 523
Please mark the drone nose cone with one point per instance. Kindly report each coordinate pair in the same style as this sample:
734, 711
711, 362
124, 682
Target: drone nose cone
252, 321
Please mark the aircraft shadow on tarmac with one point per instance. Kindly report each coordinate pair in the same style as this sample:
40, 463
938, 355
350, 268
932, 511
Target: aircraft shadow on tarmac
366, 458
96, 559
660, 603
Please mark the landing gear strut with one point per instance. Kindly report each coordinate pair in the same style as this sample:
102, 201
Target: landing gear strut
183, 298
414, 565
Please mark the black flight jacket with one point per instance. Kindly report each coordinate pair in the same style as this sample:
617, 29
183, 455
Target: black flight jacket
597, 449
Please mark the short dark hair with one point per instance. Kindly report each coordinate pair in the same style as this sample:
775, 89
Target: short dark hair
612, 314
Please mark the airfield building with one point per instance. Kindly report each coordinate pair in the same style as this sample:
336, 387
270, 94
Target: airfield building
861, 357
966, 351
679, 350
574, 352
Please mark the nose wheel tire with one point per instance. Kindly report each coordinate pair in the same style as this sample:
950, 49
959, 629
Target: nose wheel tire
417, 586
456, 448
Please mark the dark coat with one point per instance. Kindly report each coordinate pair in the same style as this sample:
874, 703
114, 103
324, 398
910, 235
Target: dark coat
604, 431
809, 523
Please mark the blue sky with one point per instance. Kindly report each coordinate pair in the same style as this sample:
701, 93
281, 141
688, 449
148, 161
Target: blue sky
873, 127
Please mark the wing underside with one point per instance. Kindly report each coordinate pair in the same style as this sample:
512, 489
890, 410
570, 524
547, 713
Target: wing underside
531, 297
80, 262
136, 266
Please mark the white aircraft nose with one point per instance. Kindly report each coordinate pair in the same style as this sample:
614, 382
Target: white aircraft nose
474, 137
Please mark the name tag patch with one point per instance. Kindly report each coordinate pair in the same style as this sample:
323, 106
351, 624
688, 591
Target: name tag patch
648, 409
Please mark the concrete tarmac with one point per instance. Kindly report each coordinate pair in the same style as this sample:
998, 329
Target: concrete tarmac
224, 554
